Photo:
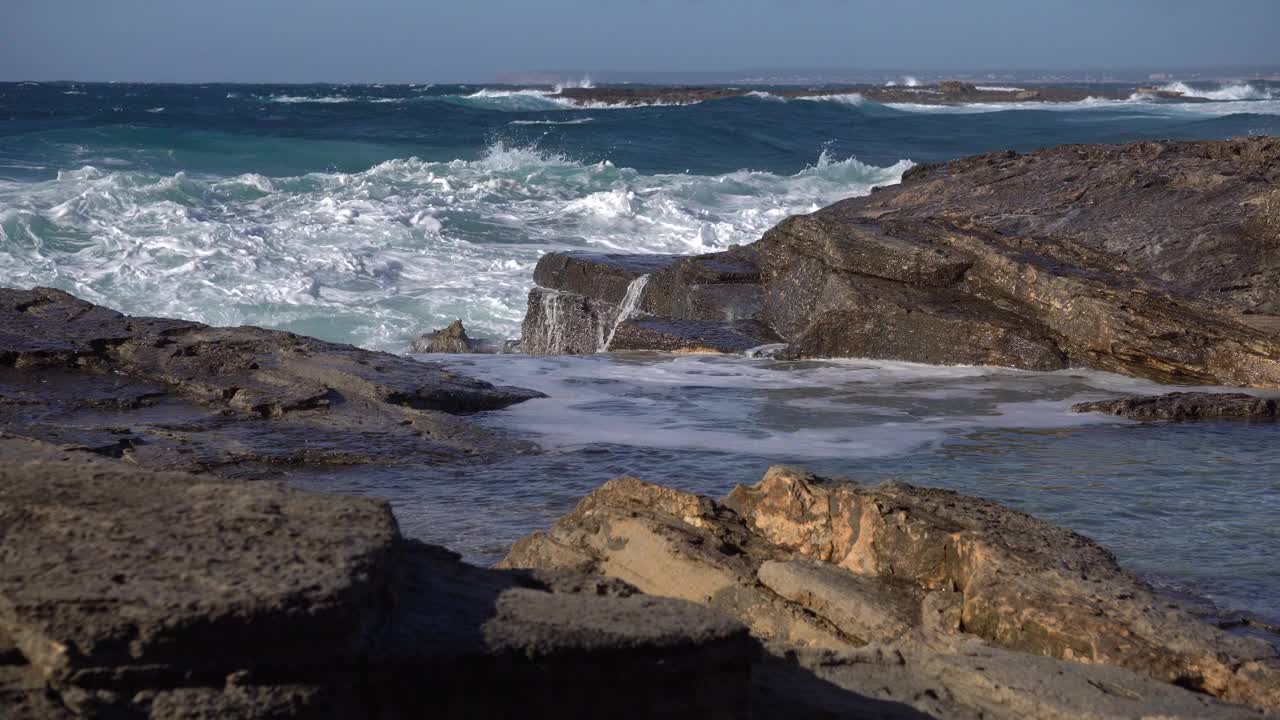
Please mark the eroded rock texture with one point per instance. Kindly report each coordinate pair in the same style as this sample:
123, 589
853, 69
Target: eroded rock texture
953, 605
172, 394
1158, 260
1186, 406
128, 593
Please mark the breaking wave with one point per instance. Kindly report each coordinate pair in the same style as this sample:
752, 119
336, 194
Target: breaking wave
1230, 91
377, 256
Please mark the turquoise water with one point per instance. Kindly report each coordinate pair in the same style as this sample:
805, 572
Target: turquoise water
369, 214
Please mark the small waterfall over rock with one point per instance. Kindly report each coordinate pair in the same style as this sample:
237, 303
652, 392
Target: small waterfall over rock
635, 289
553, 330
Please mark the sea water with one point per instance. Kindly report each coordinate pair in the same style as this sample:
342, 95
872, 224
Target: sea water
371, 214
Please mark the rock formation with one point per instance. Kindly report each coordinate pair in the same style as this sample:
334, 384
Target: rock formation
949, 92
955, 606
1152, 259
172, 394
453, 339
1186, 406
128, 593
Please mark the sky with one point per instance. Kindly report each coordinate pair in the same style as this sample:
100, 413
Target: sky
475, 40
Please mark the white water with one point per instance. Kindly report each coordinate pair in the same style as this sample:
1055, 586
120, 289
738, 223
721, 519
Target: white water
630, 301
376, 257
1230, 91
788, 410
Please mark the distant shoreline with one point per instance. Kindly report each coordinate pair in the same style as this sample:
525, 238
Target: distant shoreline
945, 93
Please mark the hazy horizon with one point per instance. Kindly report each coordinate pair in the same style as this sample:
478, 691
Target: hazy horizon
398, 41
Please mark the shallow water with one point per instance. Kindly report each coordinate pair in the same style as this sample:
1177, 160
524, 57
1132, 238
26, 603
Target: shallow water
1191, 506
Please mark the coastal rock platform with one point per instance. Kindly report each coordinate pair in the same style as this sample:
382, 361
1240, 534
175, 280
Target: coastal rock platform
244, 402
1151, 259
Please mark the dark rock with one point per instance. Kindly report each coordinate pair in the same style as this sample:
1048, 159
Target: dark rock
131, 593
956, 87
885, 591
1185, 406
709, 304
242, 401
454, 339
690, 336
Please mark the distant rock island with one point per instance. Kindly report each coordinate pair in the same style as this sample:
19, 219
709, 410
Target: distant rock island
944, 93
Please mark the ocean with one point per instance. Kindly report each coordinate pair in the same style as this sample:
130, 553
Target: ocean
370, 214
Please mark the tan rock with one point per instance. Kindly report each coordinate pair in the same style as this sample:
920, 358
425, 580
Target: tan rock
987, 610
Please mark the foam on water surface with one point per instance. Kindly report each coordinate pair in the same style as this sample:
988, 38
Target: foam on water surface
378, 256
1188, 505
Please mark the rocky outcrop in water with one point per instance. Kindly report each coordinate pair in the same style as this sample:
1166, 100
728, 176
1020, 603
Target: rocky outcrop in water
1186, 406
948, 605
172, 394
1152, 259
454, 339
944, 93
128, 593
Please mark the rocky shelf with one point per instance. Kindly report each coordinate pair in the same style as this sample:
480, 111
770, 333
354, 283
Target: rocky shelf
1154, 259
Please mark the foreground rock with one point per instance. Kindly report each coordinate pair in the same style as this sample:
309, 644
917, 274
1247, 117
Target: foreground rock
1186, 406
172, 394
131, 593
1152, 259
955, 606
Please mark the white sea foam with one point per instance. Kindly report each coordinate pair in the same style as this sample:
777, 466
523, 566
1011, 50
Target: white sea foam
827, 409
377, 256
321, 99
999, 88
1137, 103
575, 121
1229, 91
854, 99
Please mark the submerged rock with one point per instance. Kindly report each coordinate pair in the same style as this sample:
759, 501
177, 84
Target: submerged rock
1150, 259
956, 606
454, 339
131, 593
243, 401
1185, 406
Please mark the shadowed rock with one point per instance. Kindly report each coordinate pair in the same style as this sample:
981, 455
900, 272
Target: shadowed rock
131, 593
242, 401
1151, 259
991, 610
1185, 406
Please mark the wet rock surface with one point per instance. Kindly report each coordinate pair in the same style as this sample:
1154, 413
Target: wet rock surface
171, 394
944, 605
454, 339
1156, 260
126, 592
1186, 406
